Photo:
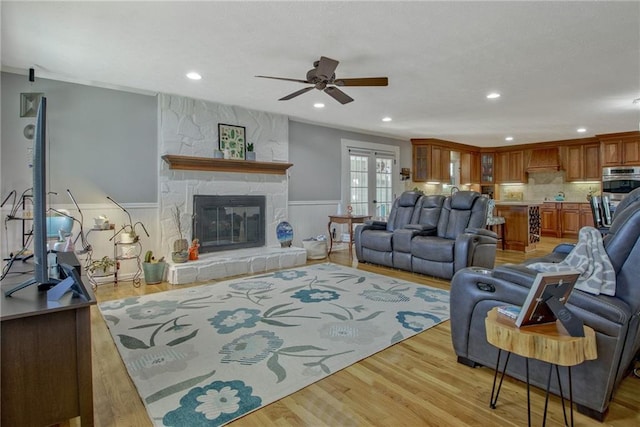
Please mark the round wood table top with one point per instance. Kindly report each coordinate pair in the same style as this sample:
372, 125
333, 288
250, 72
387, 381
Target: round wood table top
548, 342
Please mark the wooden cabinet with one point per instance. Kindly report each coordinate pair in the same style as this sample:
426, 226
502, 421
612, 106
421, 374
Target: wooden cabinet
45, 348
431, 163
487, 168
420, 157
469, 168
586, 216
439, 165
522, 225
549, 220
620, 149
570, 219
564, 219
582, 162
510, 166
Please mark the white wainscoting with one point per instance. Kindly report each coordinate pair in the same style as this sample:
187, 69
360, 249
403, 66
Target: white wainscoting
147, 213
310, 218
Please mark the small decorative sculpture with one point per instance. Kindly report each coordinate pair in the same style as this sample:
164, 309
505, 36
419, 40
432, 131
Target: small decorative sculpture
193, 250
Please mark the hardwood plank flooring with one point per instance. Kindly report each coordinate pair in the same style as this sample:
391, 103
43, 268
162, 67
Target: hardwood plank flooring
414, 383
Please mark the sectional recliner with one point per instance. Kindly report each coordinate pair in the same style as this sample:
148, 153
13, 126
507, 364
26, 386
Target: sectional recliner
430, 234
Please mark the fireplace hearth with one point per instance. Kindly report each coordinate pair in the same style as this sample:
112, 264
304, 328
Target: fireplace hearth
223, 223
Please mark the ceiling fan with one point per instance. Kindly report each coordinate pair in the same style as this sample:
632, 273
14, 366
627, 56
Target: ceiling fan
323, 77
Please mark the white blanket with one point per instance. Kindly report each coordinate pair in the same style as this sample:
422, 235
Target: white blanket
591, 260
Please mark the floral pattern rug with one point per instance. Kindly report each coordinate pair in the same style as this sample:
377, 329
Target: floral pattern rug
206, 355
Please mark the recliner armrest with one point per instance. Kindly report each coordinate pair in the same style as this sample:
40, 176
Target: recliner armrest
375, 224
423, 230
481, 232
516, 273
564, 248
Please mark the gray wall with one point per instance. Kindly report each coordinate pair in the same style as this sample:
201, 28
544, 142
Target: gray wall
104, 142
315, 152
100, 142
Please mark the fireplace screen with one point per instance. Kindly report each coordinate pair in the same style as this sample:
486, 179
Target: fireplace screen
228, 222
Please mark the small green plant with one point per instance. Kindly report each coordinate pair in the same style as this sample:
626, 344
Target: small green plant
149, 258
101, 265
250, 147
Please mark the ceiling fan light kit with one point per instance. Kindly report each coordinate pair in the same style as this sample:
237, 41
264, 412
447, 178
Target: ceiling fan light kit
323, 77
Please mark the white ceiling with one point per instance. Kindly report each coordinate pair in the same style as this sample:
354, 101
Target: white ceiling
558, 65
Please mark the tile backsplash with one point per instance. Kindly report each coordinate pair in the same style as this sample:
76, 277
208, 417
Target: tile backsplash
546, 185
540, 187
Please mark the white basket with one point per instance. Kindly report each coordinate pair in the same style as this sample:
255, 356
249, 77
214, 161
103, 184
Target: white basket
316, 249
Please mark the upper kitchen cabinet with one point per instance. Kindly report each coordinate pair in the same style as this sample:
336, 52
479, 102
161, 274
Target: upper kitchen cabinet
582, 162
431, 162
469, 167
487, 168
420, 158
620, 149
509, 166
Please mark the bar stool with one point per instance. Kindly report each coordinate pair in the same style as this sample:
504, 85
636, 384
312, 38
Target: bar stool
495, 223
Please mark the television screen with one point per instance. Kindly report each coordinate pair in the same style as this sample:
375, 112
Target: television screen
41, 269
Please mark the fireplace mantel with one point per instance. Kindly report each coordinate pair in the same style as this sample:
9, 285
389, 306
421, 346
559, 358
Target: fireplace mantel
209, 164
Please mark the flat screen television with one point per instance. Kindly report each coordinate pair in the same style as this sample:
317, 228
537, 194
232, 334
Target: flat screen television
41, 269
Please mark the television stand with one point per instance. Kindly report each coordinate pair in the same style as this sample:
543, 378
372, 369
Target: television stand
46, 355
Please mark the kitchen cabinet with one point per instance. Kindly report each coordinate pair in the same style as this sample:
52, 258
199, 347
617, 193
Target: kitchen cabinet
582, 162
586, 216
487, 168
549, 220
469, 168
509, 166
431, 163
420, 158
570, 219
522, 225
564, 219
620, 149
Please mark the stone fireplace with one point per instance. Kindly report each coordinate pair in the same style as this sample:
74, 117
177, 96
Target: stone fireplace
228, 222
189, 127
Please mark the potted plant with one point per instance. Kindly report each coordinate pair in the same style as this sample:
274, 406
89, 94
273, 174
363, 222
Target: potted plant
153, 269
102, 267
251, 155
180, 252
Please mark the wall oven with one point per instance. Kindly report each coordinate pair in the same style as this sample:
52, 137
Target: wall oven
618, 181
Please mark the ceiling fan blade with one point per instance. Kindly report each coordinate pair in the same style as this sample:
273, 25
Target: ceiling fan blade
363, 81
284, 78
338, 95
296, 93
326, 67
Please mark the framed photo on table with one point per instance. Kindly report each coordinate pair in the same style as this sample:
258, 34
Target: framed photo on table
232, 138
549, 290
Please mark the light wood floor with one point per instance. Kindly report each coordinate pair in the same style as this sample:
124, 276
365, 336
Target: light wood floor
414, 383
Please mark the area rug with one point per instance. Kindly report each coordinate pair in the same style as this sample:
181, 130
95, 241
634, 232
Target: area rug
209, 354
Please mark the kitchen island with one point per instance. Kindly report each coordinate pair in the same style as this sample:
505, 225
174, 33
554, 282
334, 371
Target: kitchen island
522, 224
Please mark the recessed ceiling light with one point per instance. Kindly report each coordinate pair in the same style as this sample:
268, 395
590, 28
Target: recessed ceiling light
509, 138
386, 119
581, 130
194, 76
318, 105
493, 95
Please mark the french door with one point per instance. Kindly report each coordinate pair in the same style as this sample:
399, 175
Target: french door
370, 181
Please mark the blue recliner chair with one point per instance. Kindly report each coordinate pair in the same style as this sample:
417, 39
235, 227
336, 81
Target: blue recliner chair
374, 239
615, 319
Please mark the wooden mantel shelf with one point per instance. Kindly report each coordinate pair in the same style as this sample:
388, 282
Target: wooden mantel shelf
224, 165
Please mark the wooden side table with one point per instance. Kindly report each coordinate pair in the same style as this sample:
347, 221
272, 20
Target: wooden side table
346, 219
548, 343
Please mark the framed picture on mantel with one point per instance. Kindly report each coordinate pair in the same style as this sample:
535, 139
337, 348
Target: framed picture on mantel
231, 140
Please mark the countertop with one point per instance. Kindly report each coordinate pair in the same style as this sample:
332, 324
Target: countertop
517, 203
534, 202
